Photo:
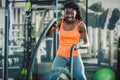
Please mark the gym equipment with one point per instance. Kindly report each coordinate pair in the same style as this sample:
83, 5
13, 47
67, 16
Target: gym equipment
32, 60
71, 60
27, 33
104, 74
28, 42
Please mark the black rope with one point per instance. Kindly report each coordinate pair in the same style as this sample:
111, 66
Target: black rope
71, 59
34, 53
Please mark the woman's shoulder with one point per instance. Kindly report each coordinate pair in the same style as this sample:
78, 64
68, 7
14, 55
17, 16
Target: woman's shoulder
81, 25
80, 22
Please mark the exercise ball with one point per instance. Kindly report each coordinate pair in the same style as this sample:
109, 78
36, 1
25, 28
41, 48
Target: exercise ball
104, 74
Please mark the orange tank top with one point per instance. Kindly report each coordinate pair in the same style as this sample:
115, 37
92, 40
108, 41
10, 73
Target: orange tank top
66, 40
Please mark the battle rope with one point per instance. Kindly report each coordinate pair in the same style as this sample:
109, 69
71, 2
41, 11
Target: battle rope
34, 53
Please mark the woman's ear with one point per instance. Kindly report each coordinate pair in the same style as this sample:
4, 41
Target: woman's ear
75, 13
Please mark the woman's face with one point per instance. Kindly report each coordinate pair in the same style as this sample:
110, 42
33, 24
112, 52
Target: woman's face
70, 14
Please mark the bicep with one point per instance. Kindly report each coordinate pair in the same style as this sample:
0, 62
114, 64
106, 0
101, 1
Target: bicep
52, 29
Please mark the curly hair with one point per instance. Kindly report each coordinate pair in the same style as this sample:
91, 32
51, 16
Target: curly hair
73, 5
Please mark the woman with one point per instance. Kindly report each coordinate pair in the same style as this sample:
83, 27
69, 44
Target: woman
71, 30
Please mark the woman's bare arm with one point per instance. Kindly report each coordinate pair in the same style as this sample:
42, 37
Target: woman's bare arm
84, 35
53, 27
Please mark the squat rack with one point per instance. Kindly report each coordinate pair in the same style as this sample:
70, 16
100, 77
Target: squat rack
6, 40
